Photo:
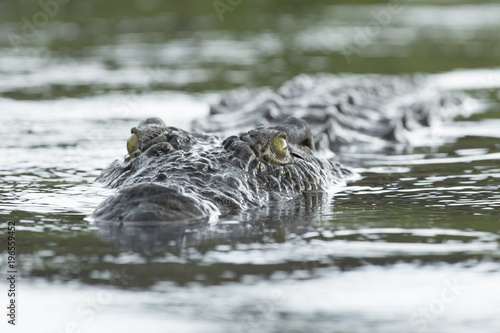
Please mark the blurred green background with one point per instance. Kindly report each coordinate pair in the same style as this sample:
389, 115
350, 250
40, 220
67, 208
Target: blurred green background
213, 45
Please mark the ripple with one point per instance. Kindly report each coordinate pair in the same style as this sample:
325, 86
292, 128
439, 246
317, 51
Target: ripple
363, 244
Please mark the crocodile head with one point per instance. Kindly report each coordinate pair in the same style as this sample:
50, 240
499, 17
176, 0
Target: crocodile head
170, 174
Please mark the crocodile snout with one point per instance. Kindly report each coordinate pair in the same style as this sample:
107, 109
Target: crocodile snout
153, 202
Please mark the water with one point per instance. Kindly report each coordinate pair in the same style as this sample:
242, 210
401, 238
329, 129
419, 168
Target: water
412, 246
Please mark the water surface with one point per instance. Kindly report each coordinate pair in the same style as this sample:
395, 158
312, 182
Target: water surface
411, 246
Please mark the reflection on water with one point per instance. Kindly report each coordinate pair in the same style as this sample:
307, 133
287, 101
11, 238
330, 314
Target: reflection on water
375, 257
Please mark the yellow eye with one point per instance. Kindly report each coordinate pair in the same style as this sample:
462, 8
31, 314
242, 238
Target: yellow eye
279, 147
132, 143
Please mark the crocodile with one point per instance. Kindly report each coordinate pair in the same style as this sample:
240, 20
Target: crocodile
262, 146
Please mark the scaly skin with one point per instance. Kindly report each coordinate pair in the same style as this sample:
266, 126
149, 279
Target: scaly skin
171, 174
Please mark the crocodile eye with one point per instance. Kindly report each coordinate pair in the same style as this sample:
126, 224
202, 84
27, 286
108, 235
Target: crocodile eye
132, 143
279, 147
